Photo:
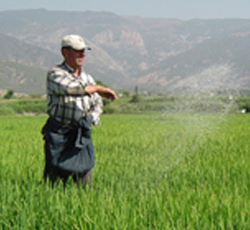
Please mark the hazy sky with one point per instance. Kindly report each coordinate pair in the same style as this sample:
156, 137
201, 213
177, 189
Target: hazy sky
181, 9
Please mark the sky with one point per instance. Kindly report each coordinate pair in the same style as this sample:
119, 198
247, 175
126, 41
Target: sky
178, 9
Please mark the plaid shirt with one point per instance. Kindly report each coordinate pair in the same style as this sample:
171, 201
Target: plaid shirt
67, 100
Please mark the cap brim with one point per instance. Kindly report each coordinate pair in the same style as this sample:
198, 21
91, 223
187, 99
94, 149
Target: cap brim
81, 48
78, 48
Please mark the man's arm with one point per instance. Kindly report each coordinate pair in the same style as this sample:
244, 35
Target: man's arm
102, 91
59, 83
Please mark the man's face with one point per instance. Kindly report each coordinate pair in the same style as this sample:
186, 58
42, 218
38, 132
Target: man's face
74, 58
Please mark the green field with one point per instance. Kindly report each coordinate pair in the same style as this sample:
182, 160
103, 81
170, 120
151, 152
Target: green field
158, 171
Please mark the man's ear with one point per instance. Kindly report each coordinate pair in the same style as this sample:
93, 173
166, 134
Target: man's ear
64, 52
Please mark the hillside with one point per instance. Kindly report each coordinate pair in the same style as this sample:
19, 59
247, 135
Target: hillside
224, 66
151, 53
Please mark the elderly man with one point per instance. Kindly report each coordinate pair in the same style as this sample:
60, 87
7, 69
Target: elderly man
73, 104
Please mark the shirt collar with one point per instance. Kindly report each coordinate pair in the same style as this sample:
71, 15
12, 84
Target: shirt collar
71, 70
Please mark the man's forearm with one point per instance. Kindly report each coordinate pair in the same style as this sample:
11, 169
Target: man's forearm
92, 88
102, 91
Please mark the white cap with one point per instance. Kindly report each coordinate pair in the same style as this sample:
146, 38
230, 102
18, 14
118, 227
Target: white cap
74, 41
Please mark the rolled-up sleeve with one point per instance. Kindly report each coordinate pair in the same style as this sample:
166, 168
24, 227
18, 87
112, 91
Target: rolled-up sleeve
96, 108
96, 105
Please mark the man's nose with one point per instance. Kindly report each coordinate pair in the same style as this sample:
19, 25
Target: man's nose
82, 53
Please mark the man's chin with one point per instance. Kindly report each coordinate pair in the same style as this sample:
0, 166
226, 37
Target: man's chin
80, 63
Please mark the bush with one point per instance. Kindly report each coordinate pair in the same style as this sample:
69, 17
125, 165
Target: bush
109, 110
135, 98
22, 106
6, 110
243, 103
8, 94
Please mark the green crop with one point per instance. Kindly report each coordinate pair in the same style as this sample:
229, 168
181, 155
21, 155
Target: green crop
158, 171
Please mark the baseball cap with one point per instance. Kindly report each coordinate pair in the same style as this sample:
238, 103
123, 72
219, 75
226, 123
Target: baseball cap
74, 41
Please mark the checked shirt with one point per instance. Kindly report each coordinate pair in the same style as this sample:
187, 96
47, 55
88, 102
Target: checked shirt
67, 100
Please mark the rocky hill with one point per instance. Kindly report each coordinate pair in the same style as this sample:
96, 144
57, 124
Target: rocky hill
151, 53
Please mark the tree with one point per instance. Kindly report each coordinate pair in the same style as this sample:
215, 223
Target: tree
98, 82
136, 90
135, 98
125, 93
8, 94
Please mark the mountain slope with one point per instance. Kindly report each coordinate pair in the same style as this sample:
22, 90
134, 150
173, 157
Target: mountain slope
22, 78
224, 62
133, 51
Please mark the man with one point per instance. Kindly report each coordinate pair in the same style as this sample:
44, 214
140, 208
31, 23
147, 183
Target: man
73, 104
